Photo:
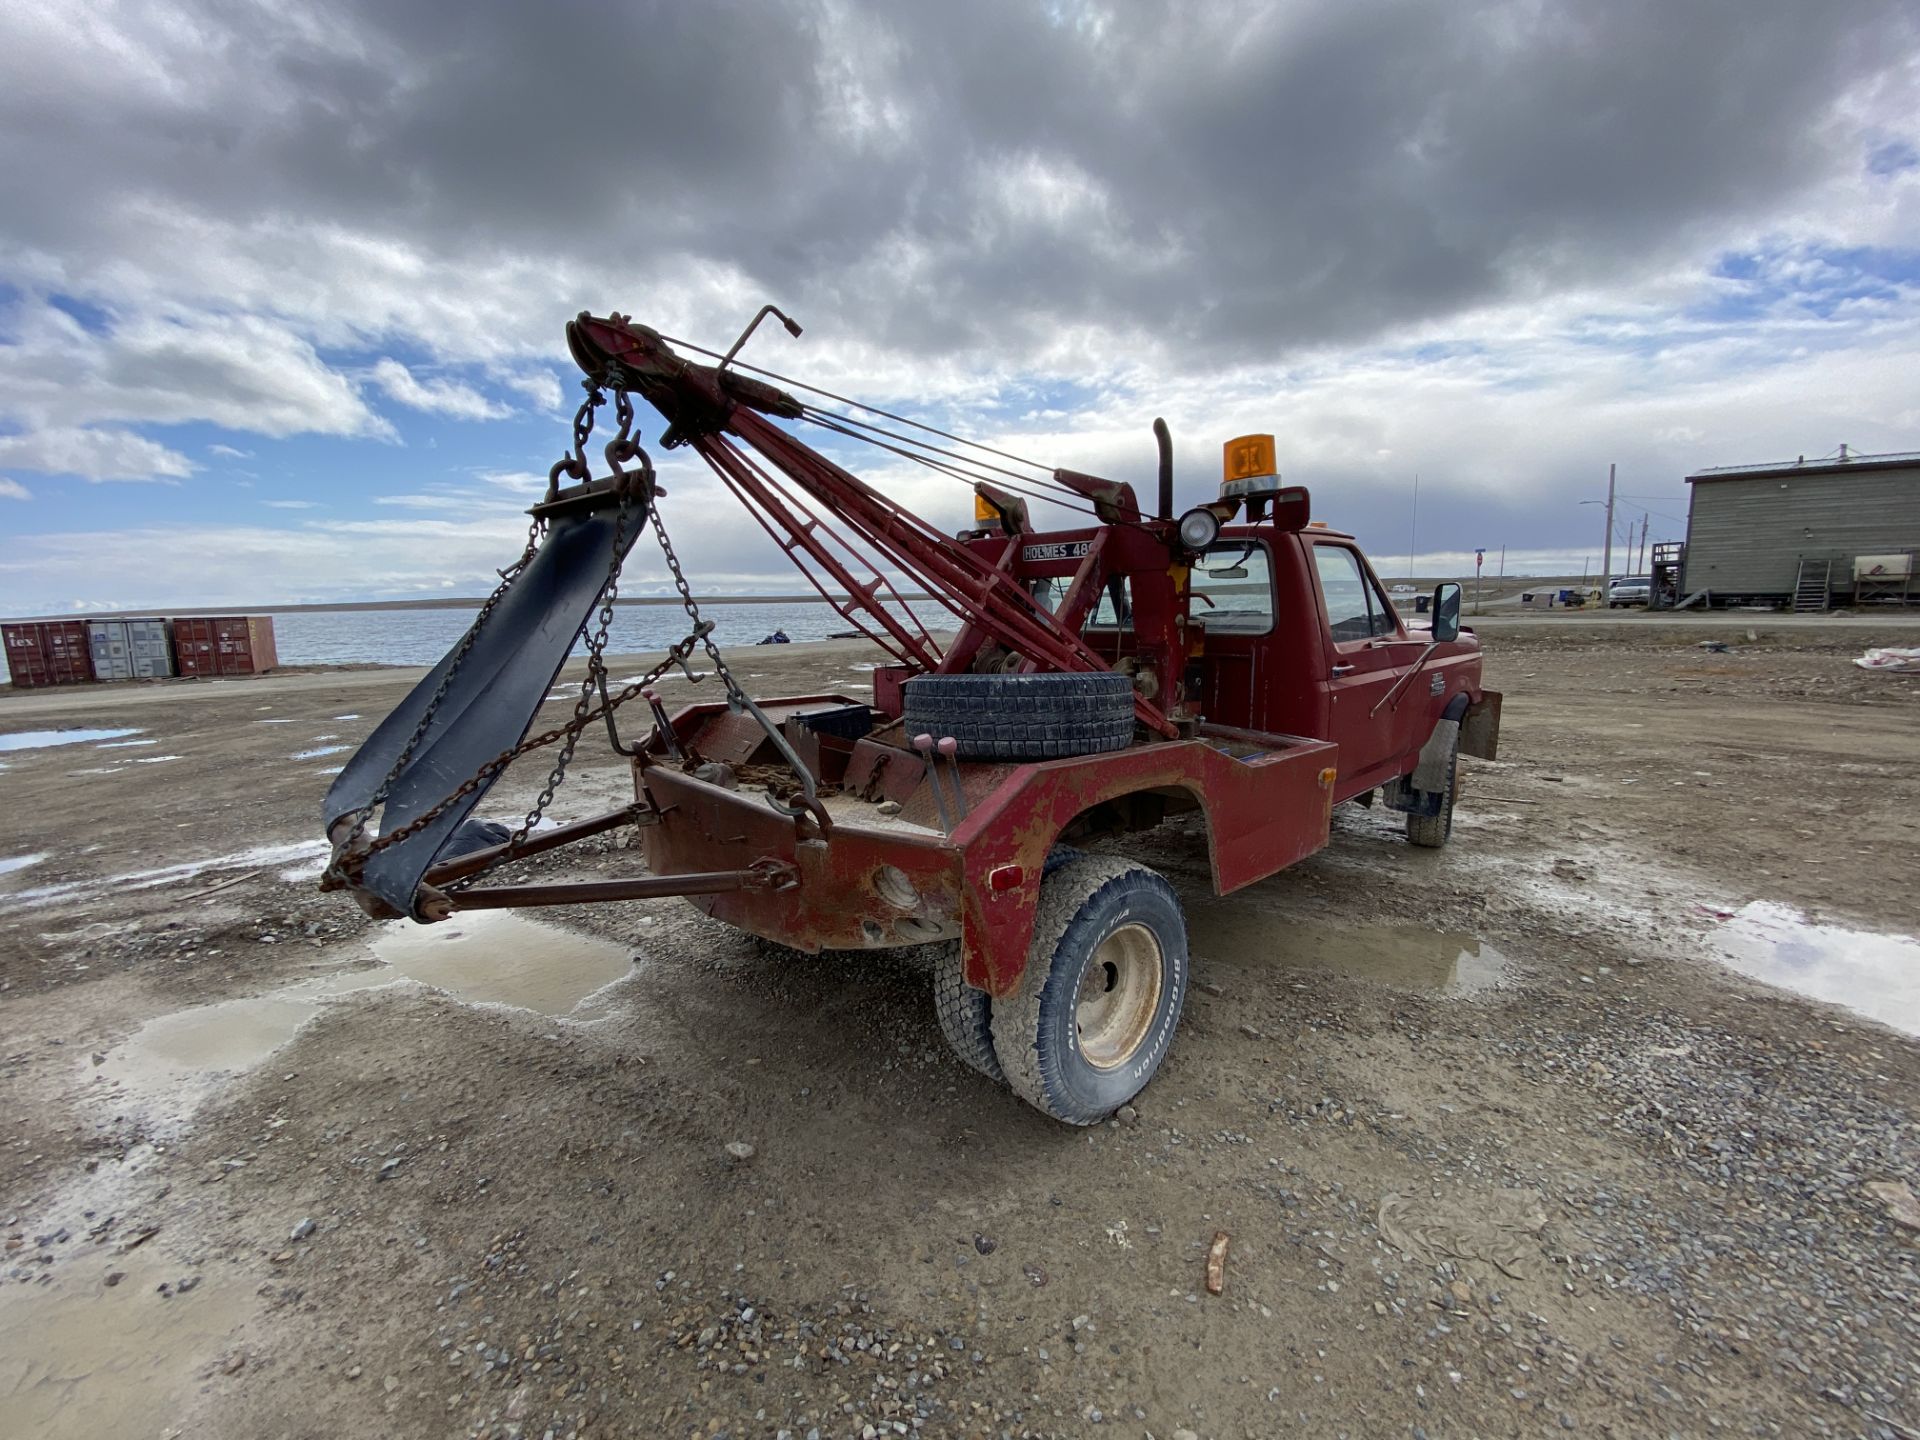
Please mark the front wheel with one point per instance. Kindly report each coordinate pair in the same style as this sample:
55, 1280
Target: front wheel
1430, 832
1105, 983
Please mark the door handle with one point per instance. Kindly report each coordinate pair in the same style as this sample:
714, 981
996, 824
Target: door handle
1345, 669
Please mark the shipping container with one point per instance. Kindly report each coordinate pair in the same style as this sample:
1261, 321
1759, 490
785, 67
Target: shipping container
224, 645
130, 649
48, 652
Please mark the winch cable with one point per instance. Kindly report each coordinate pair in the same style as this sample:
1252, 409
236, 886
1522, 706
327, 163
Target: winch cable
848, 423
1078, 503
831, 421
862, 405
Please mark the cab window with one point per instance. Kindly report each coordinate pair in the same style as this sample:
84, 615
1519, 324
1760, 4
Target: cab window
1115, 610
1356, 610
1232, 588
1386, 620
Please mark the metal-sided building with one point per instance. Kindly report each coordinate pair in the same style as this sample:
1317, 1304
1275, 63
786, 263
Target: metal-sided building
1807, 533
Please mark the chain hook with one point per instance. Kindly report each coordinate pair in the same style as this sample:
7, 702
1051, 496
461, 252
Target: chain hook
622, 450
575, 466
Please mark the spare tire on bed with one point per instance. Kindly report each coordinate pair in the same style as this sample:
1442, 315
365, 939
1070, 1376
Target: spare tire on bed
1023, 717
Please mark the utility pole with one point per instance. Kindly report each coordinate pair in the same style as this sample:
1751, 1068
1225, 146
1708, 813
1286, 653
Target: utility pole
1606, 562
1640, 560
1413, 525
1503, 562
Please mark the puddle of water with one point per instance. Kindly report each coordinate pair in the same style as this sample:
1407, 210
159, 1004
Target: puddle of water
495, 957
1873, 975
273, 722
675, 678
172, 1061
330, 770
82, 1359
45, 739
346, 717
1406, 957
318, 751
124, 744
154, 759
9, 864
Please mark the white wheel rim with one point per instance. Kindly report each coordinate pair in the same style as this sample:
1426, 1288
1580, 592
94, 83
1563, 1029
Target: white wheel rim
1119, 996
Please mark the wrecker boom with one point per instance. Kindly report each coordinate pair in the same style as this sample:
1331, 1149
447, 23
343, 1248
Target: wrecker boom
722, 415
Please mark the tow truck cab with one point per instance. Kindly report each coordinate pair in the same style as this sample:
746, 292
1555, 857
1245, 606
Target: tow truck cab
1297, 636
1290, 632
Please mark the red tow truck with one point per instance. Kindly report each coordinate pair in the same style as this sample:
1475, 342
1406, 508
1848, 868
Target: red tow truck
1240, 661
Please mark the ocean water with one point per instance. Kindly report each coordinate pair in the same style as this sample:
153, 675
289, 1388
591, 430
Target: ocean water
421, 637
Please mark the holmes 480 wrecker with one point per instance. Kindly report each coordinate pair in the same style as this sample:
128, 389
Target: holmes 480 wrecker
1238, 661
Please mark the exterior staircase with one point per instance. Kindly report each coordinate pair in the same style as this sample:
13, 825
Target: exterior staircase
1811, 587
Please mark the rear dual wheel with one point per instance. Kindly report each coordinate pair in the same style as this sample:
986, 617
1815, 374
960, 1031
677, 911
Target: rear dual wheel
965, 1014
1105, 982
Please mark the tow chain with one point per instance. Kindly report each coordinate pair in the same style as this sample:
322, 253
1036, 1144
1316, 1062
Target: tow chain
350, 854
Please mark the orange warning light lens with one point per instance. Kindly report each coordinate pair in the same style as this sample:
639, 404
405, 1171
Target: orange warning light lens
1248, 458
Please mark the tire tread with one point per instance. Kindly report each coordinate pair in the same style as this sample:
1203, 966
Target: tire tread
1030, 1072
1023, 717
964, 1013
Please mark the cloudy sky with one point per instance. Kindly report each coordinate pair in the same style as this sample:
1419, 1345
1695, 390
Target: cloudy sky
282, 286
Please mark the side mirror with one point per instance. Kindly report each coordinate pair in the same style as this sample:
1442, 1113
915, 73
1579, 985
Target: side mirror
1446, 612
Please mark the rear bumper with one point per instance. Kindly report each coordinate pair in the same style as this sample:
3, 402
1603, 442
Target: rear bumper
845, 898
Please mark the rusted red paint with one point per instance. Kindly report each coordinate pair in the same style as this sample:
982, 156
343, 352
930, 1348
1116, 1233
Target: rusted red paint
1262, 812
224, 644
838, 903
48, 652
1261, 815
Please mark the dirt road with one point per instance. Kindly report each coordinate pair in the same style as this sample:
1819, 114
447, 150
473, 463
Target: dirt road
1501, 1145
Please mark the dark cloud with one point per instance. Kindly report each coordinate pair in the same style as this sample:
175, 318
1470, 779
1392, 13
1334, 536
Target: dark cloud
1501, 244
1234, 179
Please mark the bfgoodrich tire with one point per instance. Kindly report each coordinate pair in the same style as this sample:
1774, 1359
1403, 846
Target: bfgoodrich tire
1023, 717
1105, 983
964, 1013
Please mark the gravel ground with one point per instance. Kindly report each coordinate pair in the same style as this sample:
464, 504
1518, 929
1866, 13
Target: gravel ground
1499, 1145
